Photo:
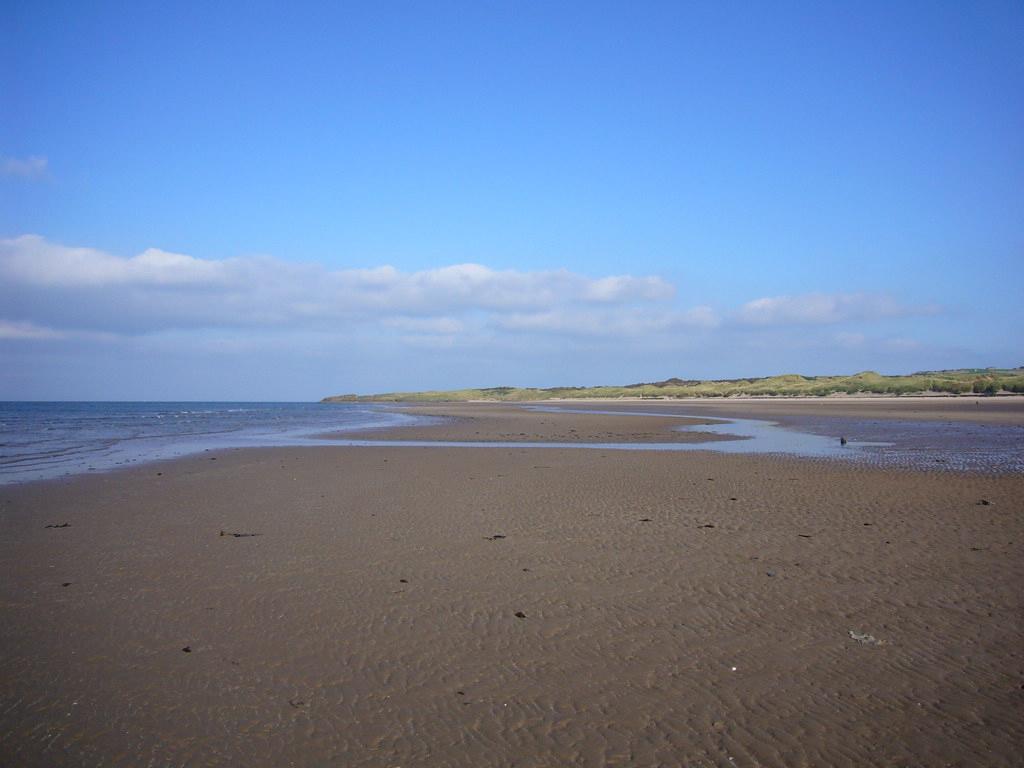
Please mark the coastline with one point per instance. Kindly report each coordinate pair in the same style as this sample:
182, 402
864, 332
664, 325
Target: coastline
373, 619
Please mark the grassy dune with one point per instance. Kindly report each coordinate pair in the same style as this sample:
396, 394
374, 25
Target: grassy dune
987, 381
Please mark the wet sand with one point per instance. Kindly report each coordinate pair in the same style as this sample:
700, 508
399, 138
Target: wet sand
468, 421
472, 422
1005, 410
676, 608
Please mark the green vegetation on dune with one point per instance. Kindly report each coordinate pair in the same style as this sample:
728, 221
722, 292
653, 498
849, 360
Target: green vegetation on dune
984, 381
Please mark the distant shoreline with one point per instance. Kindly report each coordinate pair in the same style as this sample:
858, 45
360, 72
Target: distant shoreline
747, 398
971, 382
413, 397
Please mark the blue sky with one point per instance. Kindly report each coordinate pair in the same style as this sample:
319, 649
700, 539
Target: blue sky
260, 201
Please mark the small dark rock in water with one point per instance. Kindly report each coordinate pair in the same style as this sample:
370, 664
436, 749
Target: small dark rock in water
461, 693
984, 503
645, 519
842, 441
495, 537
706, 525
804, 535
159, 473
403, 581
520, 615
296, 703
66, 584
187, 649
732, 498
61, 525
526, 570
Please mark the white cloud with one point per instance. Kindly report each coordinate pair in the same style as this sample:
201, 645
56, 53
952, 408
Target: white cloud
604, 322
33, 260
700, 317
625, 288
160, 300
70, 287
824, 308
23, 330
32, 167
443, 325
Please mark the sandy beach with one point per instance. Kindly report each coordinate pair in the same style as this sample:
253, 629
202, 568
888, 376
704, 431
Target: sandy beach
408, 606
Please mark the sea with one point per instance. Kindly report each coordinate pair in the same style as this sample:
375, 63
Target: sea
44, 440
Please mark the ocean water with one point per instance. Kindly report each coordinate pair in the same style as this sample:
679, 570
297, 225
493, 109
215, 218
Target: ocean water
47, 440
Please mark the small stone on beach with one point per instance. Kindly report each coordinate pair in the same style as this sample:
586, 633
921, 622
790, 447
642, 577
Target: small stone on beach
865, 639
520, 615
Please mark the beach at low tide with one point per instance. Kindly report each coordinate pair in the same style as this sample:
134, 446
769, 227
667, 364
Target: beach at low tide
522, 606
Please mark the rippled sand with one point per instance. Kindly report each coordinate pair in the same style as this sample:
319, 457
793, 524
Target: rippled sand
678, 609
